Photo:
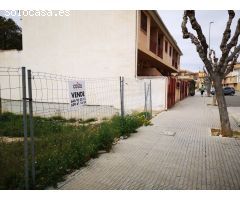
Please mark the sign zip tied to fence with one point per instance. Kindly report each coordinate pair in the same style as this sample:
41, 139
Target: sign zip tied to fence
77, 93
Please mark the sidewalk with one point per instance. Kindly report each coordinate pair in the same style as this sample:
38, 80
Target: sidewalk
177, 152
234, 112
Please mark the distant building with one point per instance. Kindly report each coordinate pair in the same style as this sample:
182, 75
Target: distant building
183, 81
233, 78
200, 78
186, 75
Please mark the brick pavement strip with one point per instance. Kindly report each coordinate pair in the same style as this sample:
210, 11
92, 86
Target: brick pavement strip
191, 159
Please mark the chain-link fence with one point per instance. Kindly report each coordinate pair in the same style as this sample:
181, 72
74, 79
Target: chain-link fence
48, 120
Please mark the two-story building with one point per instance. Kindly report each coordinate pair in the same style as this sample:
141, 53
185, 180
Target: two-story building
158, 53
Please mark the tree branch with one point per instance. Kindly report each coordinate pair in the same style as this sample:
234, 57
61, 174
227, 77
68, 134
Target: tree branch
198, 29
229, 46
202, 51
234, 39
233, 59
233, 54
230, 67
213, 59
227, 32
212, 56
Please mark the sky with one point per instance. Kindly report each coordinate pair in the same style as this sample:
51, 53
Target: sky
15, 18
173, 19
190, 59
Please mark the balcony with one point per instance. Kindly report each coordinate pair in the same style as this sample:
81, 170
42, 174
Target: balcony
156, 48
153, 46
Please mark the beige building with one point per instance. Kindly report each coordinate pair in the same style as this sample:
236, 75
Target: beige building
233, 78
183, 82
158, 53
186, 75
200, 77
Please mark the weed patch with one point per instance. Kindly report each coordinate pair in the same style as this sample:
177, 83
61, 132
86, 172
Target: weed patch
60, 147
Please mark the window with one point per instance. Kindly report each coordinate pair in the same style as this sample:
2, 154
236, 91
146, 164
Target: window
143, 21
166, 46
170, 51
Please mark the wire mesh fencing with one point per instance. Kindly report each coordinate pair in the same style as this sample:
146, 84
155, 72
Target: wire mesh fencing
52, 124
13, 129
10, 90
51, 97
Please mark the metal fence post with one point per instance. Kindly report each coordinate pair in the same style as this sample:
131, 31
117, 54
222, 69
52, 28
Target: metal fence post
150, 88
0, 101
31, 125
145, 99
25, 127
122, 103
122, 95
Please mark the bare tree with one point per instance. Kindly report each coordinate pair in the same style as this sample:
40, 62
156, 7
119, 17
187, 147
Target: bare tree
216, 68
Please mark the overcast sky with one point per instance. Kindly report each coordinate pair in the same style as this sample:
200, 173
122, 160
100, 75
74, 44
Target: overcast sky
190, 59
173, 20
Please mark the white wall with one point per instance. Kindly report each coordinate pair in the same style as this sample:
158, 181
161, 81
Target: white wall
85, 44
51, 97
10, 58
10, 74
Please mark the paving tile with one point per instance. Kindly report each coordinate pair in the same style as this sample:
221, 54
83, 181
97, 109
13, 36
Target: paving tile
191, 159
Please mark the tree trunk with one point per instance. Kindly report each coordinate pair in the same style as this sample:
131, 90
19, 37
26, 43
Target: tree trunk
214, 100
222, 107
208, 83
208, 89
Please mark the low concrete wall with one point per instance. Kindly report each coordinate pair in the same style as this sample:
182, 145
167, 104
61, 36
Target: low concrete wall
102, 96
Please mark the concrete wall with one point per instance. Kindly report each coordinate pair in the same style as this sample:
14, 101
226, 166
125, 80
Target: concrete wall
10, 58
10, 74
102, 97
84, 44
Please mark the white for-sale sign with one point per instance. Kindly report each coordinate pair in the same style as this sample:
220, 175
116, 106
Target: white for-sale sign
77, 93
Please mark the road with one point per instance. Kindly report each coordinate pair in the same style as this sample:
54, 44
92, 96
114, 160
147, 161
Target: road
233, 101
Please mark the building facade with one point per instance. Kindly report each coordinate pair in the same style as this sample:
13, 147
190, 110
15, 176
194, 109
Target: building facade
233, 78
158, 53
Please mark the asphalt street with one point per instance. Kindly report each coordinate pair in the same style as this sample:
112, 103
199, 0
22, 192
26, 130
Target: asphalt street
233, 101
